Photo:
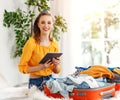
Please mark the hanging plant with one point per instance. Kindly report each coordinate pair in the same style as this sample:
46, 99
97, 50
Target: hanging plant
22, 23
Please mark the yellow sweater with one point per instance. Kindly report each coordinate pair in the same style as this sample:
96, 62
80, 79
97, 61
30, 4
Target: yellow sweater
32, 53
98, 71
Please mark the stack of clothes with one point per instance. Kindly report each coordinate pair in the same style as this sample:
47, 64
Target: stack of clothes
111, 75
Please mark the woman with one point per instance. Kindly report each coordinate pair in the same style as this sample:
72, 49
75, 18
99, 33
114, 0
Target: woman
36, 48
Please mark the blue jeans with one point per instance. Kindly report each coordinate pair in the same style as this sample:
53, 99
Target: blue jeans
38, 82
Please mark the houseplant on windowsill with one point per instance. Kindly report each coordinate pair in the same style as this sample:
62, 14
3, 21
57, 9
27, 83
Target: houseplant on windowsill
22, 23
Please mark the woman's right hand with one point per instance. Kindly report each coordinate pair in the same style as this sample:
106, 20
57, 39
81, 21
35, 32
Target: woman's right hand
47, 63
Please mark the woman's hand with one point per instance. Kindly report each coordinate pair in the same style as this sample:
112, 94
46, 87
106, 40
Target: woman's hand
47, 63
56, 61
57, 67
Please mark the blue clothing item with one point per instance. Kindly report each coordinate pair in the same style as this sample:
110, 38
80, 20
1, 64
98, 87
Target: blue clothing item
83, 85
112, 68
38, 82
81, 68
58, 86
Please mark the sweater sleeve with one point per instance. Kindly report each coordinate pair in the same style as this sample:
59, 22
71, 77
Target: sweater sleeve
26, 55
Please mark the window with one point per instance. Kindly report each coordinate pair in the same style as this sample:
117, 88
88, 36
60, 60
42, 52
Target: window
96, 24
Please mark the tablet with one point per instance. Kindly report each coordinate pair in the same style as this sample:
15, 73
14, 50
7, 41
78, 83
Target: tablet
49, 56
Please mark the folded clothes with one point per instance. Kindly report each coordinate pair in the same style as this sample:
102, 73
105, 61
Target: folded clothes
83, 78
98, 71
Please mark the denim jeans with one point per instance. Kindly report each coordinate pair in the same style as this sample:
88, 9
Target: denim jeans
38, 82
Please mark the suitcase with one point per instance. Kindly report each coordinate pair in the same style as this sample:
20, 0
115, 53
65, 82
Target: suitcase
100, 93
117, 87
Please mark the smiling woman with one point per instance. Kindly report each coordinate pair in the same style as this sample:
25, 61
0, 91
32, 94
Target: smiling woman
36, 47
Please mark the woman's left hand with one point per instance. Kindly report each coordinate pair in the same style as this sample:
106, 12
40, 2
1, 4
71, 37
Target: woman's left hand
56, 62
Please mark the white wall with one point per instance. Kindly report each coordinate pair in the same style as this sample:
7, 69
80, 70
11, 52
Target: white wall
8, 65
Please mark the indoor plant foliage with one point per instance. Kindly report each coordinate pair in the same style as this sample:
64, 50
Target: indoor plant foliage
22, 23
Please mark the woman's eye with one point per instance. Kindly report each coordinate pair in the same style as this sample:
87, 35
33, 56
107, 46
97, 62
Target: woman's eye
42, 22
49, 22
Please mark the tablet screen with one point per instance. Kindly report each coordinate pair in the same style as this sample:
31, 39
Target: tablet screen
49, 56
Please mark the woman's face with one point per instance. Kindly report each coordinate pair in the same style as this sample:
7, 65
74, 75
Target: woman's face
45, 24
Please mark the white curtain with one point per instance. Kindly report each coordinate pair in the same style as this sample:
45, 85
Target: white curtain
69, 41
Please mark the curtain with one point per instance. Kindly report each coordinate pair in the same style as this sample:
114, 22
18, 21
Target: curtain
63, 8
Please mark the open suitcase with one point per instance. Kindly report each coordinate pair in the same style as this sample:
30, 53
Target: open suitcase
100, 93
